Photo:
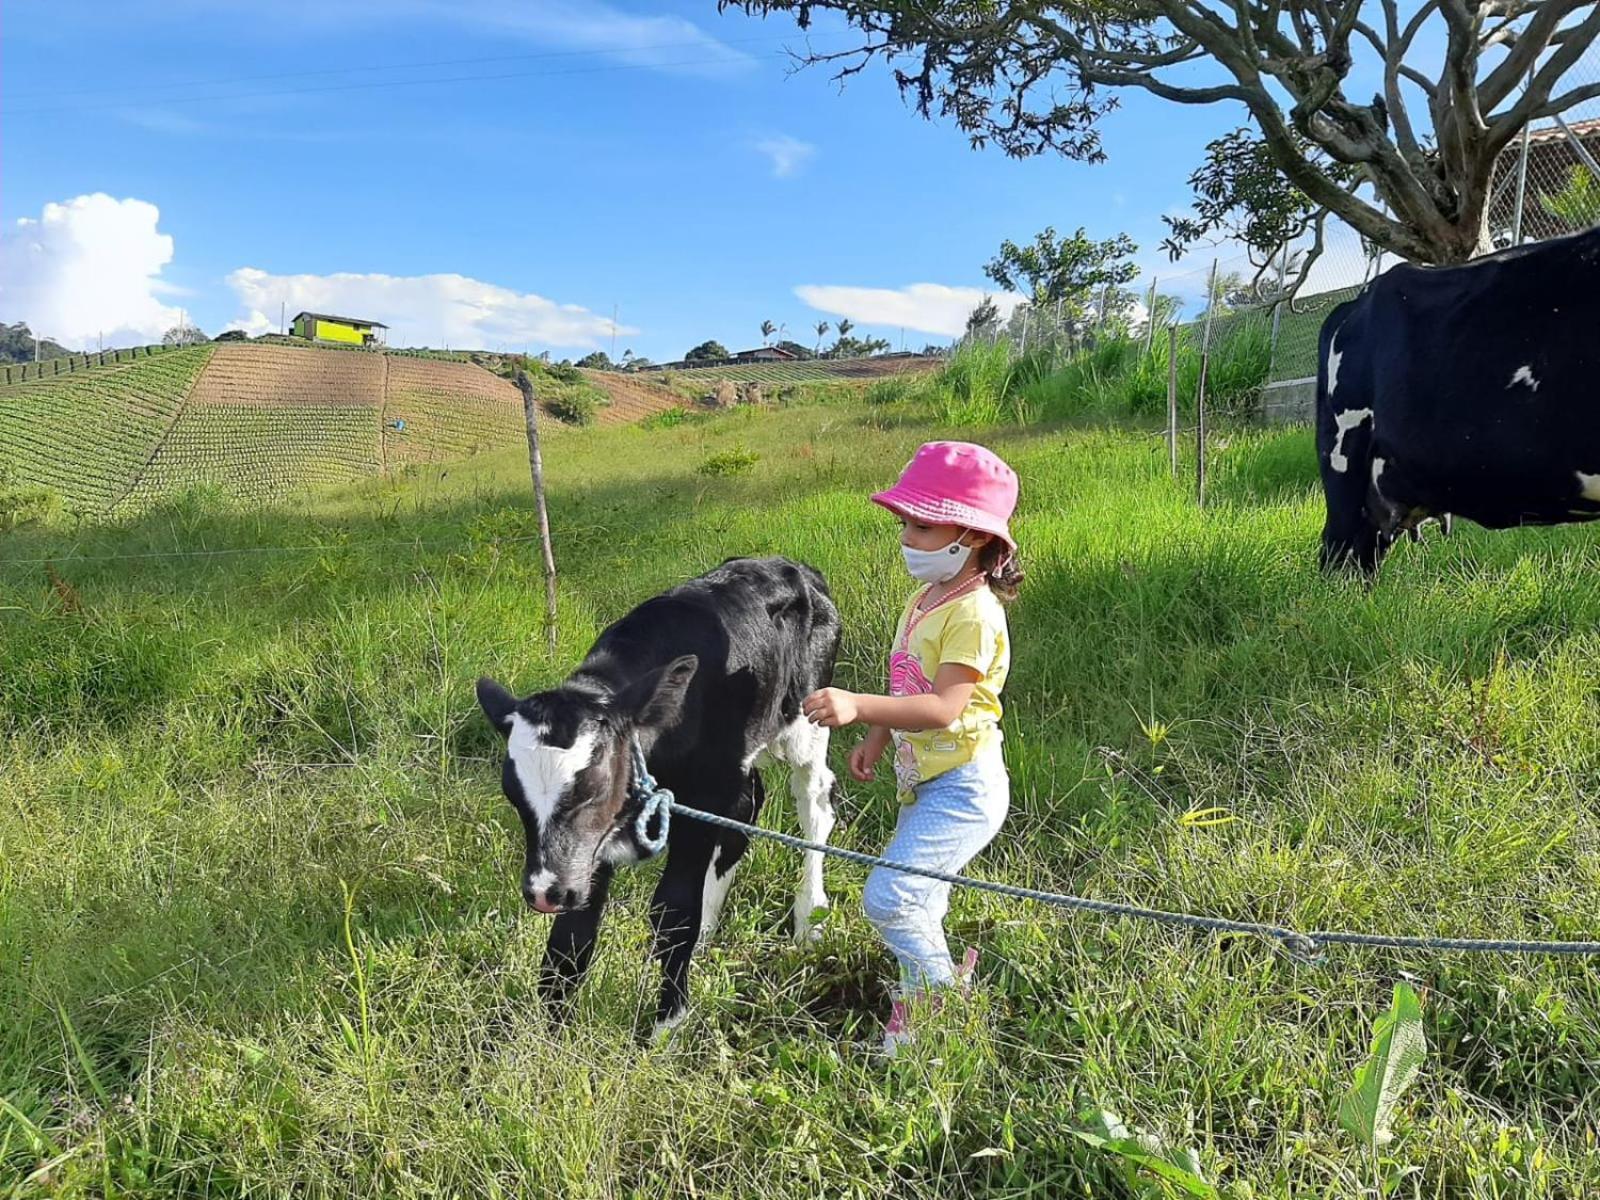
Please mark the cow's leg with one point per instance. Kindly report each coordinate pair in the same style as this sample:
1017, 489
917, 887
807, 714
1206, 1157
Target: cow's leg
812, 784
570, 950
1344, 452
675, 914
725, 855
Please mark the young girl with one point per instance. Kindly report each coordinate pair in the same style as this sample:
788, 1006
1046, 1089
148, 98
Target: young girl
948, 663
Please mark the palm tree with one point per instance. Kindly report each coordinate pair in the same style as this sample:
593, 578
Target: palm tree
822, 328
1577, 204
845, 326
767, 330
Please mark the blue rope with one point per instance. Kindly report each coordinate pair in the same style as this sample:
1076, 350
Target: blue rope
656, 802
1305, 946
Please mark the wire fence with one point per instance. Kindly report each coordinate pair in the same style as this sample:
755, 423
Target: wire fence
1545, 184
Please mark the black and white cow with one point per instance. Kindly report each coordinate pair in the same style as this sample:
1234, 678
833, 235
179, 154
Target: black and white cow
708, 677
1471, 390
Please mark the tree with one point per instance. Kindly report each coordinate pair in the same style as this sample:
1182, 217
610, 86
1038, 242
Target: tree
1409, 170
17, 345
597, 360
1073, 273
707, 352
845, 326
767, 330
1240, 193
183, 335
984, 319
1577, 204
850, 347
822, 328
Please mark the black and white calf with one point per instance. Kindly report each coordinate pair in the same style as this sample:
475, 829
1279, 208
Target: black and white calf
708, 677
1471, 390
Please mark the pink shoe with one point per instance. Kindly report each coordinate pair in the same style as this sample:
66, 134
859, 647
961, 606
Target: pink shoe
967, 972
897, 1032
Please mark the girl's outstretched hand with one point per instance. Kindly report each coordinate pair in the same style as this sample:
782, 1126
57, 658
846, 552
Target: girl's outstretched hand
863, 759
831, 708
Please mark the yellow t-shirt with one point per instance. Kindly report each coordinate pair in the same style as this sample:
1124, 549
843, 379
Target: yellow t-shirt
969, 630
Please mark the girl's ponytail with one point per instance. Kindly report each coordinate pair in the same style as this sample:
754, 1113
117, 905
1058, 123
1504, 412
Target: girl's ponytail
1002, 568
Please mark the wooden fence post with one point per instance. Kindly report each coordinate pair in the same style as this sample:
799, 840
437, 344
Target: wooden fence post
530, 410
1172, 397
1200, 394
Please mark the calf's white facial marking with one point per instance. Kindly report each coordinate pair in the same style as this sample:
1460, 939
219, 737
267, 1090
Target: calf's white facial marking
1334, 358
1524, 374
1378, 465
544, 771
1345, 422
1589, 486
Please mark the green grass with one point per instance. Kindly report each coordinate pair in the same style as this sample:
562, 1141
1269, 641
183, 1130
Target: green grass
258, 452
86, 436
807, 370
986, 383
199, 756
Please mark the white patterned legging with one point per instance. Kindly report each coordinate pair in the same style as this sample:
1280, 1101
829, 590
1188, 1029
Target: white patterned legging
955, 815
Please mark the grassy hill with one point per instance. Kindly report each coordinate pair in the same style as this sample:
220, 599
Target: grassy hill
256, 422
87, 436
259, 923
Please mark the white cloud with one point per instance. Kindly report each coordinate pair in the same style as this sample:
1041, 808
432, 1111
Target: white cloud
422, 310
88, 268
662, 42
788, 154
925, 307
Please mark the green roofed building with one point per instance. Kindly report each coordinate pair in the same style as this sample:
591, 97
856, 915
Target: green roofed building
348, 331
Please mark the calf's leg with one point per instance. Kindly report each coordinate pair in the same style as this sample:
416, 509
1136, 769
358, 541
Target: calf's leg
570, 950
812, 785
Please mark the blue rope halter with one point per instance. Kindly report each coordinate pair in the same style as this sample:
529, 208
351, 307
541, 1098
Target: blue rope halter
655, 802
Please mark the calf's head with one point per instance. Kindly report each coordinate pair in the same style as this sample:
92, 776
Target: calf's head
568, 772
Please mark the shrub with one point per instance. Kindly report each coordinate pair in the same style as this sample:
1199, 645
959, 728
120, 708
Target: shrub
574, 408
669, 418
22, 505
891, 390
727, 463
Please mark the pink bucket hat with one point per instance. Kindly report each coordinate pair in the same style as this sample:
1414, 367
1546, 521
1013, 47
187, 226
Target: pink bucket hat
956, 483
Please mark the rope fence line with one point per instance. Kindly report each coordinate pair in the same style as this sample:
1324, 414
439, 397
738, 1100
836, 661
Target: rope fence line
1303, 946
63, 559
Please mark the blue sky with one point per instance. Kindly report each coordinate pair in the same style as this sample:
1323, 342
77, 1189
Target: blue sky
659, 157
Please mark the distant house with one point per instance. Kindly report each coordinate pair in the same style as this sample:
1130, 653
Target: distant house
1551, 160
349, 331
764, 354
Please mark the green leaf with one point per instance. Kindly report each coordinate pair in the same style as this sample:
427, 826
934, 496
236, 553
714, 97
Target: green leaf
1398, 1050
1144, 1151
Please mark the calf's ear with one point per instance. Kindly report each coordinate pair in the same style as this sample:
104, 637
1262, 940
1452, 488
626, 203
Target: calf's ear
657, 699
497, 704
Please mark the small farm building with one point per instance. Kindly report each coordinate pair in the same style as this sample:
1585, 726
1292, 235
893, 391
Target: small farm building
351, 331
764, 354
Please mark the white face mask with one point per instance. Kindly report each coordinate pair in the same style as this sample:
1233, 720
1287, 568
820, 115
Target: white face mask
937, 566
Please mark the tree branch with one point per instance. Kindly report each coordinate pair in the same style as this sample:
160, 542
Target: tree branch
1537, 95
1501, 81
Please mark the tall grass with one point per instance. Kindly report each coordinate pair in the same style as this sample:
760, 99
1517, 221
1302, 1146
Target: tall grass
260, 931
990, 383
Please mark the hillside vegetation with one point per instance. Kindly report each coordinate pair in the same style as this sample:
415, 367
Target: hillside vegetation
260, 930
262, 421
87, 436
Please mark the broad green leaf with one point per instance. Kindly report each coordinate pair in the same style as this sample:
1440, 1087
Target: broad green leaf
1398, 1049
1105, 1131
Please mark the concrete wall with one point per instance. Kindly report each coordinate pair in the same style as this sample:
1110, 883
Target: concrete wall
1290, 402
